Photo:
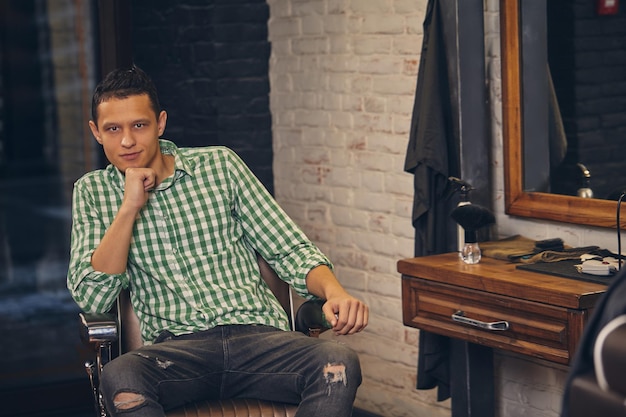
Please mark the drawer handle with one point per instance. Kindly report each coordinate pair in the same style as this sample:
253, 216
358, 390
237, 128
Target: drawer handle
496, 325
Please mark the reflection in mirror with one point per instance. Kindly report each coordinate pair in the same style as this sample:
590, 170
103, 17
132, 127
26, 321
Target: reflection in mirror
515, 18
575, 112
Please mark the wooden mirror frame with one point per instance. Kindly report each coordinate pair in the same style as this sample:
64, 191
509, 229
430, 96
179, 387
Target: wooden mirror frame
562, 208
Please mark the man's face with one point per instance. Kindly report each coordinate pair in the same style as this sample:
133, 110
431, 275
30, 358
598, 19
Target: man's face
129, 132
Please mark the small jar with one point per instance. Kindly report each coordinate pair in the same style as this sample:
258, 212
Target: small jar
470, 253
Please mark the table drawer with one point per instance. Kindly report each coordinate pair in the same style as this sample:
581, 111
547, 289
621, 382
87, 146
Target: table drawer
503, 322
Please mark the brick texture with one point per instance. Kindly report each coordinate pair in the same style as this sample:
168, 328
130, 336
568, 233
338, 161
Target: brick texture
209, 60
342, 78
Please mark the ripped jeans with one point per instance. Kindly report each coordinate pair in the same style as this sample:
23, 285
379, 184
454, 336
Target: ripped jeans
244, 361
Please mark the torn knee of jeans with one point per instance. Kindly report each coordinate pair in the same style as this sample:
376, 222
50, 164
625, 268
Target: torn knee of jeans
128, 400
335, 373
163, 364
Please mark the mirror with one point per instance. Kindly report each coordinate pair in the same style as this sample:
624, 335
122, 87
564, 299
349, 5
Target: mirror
518, 201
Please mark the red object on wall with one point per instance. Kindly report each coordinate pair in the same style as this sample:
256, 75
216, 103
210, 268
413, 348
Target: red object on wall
607, 7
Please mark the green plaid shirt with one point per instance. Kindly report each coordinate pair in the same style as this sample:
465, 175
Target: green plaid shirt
191, 264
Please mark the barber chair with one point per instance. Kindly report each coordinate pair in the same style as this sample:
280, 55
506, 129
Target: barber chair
113, 333
602, 392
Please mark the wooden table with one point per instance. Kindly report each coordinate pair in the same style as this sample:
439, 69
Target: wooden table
494, 305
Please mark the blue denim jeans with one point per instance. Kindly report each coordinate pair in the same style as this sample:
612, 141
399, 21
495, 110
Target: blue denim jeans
238, 361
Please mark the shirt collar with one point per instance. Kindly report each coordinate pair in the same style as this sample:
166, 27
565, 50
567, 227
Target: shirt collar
181, 163
182, 166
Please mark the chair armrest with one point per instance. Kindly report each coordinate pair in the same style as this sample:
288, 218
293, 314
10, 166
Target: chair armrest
310, 318
98, 328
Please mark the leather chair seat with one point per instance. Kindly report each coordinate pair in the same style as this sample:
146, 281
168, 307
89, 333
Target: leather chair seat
235, 408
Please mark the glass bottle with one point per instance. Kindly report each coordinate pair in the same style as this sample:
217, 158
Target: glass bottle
471, 253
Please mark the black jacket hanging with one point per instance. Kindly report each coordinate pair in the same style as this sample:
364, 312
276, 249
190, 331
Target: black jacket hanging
432, 157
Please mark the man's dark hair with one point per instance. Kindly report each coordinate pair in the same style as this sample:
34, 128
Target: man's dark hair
123, 83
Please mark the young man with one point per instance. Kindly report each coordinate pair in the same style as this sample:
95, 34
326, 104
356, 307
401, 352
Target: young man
179, 227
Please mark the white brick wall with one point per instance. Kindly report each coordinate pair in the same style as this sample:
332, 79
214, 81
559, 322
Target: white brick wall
343, 76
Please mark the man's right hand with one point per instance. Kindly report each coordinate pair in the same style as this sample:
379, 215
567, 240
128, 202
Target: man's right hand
139, 181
